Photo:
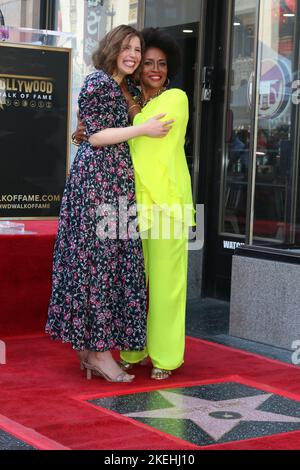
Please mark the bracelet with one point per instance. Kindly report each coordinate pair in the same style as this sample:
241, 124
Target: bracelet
133, 106
74, 140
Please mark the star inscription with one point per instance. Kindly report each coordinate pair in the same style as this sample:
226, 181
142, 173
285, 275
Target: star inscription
216, 418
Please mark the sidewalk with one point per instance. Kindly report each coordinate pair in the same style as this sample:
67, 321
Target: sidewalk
209, 319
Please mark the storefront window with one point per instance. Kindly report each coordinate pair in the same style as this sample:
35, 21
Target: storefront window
21, 13
277, 153
268, 138
239, 118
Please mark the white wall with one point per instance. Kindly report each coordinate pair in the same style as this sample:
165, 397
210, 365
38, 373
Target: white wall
25, 13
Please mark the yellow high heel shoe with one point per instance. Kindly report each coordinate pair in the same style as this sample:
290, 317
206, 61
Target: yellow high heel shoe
160, 374
127, 365
93, 369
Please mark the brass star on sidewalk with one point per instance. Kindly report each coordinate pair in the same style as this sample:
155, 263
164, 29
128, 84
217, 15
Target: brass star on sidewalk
216, 418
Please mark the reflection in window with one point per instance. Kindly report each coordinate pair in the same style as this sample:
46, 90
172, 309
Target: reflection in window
239, 119
276, 120
276, 155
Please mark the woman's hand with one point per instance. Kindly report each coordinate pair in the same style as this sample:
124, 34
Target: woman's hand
154, 127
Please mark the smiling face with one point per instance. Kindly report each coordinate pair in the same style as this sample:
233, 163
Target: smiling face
154, 70
130, 57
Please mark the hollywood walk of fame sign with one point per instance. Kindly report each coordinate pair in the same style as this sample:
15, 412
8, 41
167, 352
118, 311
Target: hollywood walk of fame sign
35, 83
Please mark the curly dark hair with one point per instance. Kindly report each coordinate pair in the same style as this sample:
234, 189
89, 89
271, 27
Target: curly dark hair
105, 57
160, 39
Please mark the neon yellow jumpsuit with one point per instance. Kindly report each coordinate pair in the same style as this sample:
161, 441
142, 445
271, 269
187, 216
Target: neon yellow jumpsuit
163, 192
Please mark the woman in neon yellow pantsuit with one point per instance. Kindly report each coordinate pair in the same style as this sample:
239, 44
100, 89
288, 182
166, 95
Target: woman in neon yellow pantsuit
164, 196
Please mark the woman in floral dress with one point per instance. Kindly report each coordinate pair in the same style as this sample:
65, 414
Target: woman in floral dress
98, 300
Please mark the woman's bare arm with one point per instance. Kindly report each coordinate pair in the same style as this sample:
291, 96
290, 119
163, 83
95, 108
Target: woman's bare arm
152, 128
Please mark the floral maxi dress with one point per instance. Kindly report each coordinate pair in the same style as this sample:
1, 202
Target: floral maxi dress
98, 299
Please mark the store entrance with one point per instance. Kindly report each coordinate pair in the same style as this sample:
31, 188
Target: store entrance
201, 29
254, 182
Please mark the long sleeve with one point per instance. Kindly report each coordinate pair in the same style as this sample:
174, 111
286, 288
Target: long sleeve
96, 104
162, 175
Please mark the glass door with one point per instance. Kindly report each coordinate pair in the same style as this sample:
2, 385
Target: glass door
277, 123
259, 200
237, 146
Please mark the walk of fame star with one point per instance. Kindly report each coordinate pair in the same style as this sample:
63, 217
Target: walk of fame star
210, 414
216, 418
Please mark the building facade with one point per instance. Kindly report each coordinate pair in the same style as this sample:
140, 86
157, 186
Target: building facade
240, 69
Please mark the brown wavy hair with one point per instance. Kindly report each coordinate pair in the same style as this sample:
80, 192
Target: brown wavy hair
105, 57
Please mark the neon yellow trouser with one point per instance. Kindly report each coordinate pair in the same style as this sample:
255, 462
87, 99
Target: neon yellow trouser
166, 272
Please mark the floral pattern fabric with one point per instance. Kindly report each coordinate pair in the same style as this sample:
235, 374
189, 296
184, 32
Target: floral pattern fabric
98, 299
